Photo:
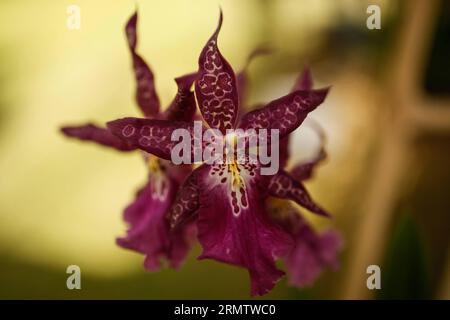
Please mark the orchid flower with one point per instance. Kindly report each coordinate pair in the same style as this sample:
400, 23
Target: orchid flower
149, 231
311, 252
227, 200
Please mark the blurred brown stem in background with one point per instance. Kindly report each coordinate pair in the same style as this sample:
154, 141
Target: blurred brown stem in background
411, 116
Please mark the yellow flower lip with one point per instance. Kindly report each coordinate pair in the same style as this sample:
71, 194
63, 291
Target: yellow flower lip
159, 182
153, 164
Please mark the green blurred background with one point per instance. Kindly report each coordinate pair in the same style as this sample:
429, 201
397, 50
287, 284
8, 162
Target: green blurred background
387, 120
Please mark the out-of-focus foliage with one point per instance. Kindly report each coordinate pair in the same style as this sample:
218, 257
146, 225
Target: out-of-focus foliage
405, 273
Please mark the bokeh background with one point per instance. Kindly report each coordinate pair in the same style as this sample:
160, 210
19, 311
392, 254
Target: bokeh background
387, 121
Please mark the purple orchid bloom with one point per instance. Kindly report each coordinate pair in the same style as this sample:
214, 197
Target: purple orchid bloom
149, 231
311, 252
227, 200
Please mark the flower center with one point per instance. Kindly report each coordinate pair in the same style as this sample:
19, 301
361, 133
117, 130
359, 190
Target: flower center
233, 176
238, 188
158, 179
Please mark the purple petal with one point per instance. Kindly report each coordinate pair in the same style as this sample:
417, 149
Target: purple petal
304, 170
91, 132
304, 81
146, 96
286, 113
283, 186
150, 135
183, 107
149, 228
233, 226
186, 204
215, 88
311, 254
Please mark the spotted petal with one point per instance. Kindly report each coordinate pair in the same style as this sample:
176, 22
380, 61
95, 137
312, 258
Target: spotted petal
91, 132
186, 204
215, 88
149, 229
146, 96
183, 107
286, 113
150, 135
233, 226
283, 186
303, 170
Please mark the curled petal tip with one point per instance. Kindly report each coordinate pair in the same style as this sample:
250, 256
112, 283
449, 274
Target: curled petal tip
326, 89
320, 94
64, 130
324, 214
146, 96
314, 208
219, 25
220, 14
130, 30
324, 92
